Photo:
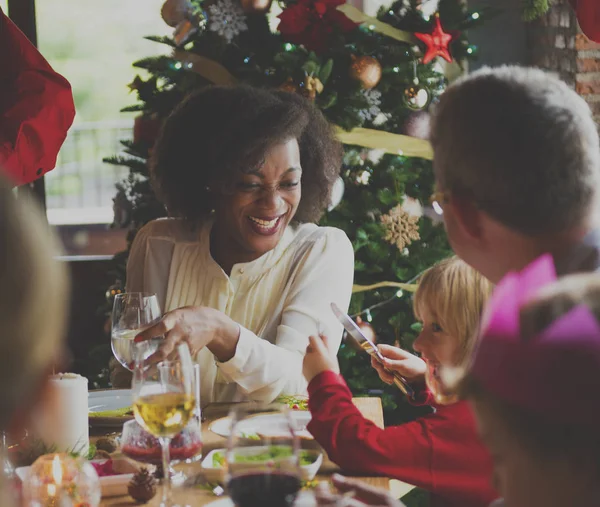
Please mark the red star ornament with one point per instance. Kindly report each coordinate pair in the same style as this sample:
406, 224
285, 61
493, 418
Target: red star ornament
437, 42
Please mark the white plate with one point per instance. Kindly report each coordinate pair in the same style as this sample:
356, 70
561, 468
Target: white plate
270, 425
111, 485
109, 399
304, 499
217, 474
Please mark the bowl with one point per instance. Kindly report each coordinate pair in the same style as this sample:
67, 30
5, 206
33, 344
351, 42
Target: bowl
214, 468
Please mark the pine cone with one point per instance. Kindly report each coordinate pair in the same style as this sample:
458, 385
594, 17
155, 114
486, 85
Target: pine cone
142, 487
107, 444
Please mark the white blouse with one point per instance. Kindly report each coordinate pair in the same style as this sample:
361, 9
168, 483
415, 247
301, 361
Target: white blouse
279, 300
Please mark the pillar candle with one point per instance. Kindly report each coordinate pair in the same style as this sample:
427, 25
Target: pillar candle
62, 422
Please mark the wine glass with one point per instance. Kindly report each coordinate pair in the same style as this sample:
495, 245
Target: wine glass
132, 313
262, 458
164, 402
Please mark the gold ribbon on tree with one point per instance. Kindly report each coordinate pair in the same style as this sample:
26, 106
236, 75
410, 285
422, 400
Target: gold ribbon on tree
375, 25
205, 67
408, 287
396, 144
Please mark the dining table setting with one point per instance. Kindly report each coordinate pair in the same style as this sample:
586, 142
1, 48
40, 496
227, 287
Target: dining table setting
125, 460
155, 443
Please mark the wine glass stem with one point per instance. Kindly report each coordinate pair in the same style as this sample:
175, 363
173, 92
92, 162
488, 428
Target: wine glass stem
166, 460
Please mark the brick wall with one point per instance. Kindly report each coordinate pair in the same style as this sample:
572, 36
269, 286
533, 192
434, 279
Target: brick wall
556, 44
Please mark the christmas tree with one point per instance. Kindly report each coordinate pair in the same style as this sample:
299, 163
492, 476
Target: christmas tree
374, 78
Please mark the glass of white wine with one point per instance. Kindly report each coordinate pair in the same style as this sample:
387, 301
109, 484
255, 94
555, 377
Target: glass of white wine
132, 313
164, 402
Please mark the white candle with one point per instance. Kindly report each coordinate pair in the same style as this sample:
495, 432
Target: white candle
63, 420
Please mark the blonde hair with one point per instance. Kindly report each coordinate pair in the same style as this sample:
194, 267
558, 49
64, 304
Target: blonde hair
33, 301
454, 294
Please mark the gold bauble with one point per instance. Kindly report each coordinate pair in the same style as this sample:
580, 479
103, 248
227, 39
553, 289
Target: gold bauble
174, 12
367, 70
255, 6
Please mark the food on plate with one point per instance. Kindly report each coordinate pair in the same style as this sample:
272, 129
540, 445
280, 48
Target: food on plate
117, 412
147, 448
297, 402
274, 452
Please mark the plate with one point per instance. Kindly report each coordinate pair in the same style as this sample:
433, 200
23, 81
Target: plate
304, 499
111, 485
108, 400
217, 474
269, 425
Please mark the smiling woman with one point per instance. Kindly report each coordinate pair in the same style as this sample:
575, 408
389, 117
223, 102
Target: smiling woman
242, 270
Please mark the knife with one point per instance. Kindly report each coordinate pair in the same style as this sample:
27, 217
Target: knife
368, 346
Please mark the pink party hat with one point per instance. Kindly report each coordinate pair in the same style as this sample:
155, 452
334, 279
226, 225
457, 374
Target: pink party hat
556, 373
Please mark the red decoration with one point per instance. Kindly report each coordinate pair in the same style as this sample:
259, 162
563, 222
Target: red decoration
313, 22
437, 42
588, 15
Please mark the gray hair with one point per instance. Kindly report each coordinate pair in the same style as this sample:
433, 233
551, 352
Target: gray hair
522, 144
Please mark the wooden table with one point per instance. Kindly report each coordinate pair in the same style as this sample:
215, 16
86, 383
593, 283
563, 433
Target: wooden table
369, 407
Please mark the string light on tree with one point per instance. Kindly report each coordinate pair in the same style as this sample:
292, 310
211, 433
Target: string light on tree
437, 42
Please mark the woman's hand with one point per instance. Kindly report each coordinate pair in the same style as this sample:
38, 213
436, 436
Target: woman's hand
354, 494
406, 364
319, 358
199, 327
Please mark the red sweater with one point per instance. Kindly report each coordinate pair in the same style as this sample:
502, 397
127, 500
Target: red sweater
36, 107
439, 452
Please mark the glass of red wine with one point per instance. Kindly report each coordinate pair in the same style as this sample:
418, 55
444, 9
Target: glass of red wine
262, 458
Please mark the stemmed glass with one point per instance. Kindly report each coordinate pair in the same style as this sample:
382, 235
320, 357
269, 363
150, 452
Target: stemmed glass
132, 313
164, 402
262, 458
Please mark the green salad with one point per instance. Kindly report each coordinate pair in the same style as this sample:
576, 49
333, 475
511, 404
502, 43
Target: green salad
274, 452
294, 402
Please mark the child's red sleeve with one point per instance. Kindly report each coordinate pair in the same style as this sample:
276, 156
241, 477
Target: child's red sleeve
358, 445
439, 452
36, 107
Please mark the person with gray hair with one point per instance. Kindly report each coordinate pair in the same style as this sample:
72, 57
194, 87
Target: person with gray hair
517, 168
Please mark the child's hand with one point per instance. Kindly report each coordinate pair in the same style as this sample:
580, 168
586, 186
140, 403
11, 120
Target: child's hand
406, 364
319, 358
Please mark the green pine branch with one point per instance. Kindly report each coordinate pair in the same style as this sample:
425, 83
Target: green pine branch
533, 9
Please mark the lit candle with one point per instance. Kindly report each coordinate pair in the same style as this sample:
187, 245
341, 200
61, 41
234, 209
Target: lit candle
61, 480
62, 421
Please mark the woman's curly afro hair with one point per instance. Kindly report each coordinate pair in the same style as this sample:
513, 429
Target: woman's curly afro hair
220, 130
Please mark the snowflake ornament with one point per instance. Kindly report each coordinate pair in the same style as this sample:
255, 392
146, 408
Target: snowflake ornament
227, 19
401, 228
374, 101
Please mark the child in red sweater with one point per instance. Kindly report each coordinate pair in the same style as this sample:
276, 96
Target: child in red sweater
439, 452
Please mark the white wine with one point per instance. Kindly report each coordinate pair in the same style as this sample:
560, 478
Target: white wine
164, 414
125, 349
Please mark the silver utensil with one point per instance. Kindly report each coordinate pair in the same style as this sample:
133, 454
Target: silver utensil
370, 348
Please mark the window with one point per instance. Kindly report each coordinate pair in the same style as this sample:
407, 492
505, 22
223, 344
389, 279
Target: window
93, 44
